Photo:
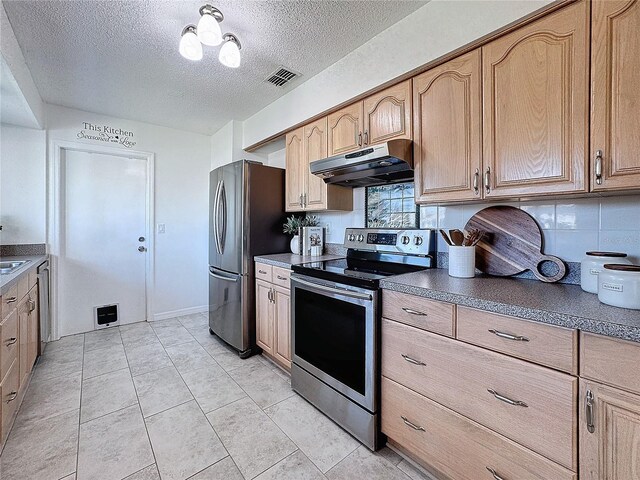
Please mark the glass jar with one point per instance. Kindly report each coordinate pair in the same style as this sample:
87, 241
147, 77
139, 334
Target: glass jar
619, 285
592, 265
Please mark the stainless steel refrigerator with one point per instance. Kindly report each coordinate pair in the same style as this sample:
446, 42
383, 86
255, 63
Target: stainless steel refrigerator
246, 213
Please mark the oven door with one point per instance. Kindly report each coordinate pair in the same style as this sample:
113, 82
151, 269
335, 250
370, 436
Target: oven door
334, 336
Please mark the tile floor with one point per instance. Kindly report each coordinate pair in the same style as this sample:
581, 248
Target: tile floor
166, 400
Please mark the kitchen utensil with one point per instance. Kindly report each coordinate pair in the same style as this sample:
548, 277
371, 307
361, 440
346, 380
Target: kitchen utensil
511, 244
457, 237
446, 237
472, 237
619, 285
462, 261
592, 265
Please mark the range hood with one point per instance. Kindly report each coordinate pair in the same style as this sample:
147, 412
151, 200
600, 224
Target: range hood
389, 162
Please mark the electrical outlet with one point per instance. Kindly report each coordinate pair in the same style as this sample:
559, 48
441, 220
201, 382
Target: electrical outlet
161, 228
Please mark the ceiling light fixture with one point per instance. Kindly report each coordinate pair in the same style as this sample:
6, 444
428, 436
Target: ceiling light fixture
190, 47
209, 32
230, 52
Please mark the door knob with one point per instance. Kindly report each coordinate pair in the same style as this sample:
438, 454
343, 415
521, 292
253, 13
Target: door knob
141, 239
142, 249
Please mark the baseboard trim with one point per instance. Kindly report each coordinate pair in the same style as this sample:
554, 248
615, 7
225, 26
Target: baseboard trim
180, 313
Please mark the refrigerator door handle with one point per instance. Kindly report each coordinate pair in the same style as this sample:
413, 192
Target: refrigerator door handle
216, 235
223, 204
223, 277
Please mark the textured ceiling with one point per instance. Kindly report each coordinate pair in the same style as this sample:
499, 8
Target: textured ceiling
121, 58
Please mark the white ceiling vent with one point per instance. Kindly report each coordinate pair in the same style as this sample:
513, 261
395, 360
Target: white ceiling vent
281, 77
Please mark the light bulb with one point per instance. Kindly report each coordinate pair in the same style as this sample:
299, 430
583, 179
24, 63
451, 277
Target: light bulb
230, 52
190, 46
209, 32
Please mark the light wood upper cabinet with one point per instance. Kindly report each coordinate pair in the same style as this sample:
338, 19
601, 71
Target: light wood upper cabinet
315, 148
345, 129
447, 131
295, 172
615, 95
387, 114
535, 106
609, 433
264, 316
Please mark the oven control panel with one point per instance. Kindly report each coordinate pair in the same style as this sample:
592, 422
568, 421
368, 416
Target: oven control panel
410, 241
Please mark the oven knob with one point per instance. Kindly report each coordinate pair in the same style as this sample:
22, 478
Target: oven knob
417, 240
352, 237
405, 240
361, 238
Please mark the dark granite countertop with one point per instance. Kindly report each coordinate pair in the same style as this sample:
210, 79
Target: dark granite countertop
33, 261
285, 260
556, 304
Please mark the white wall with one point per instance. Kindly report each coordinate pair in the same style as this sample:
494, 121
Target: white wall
182, 164
436, 29
226, 146
22, 180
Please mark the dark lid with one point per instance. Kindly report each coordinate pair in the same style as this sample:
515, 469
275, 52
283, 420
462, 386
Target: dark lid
607, 254
622, 268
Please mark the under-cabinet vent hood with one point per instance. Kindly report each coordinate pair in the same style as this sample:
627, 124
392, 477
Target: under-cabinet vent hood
388, 162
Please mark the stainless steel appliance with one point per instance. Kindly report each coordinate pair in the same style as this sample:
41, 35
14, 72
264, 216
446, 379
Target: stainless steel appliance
388, 162
335, 308
44, 274
245, 219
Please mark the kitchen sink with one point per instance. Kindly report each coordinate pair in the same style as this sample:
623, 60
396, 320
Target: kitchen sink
10, 267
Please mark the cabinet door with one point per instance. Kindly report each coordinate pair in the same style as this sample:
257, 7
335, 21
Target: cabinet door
387, 114
34, 328
295, 165
9, 398
448, 141
23, 340
264, 316
282, 320
611, 451
345, 129
535, 94
315, 148
615, 95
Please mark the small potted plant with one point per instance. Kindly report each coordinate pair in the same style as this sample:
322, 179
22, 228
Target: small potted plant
293, 226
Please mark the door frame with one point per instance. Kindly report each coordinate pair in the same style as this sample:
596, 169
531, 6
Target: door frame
55, 214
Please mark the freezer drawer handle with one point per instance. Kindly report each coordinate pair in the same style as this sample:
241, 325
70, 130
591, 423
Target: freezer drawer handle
414, 312
411, 424
508, 336
502, 398
495, 474
412, 360
228, 279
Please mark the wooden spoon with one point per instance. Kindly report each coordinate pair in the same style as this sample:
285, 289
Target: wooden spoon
457, 237
446, 238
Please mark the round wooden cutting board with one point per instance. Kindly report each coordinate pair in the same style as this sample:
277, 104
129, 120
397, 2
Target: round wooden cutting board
512, 243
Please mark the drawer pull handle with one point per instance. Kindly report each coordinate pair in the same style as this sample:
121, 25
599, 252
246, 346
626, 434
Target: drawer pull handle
508, 336
13, 396
412, 360
495, 474
11, 341
414, 312
589, 412
502, 398
262, 272
280, 277
410, 424
11, 299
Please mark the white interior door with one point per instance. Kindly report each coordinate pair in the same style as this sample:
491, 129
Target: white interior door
103, 200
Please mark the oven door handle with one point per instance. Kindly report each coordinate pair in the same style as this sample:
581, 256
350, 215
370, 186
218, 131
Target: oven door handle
337, 291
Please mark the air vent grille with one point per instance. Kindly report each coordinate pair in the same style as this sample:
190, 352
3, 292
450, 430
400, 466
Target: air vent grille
281, 77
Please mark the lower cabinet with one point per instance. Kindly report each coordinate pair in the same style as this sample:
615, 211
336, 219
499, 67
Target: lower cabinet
9, 392
273, 321
609, 433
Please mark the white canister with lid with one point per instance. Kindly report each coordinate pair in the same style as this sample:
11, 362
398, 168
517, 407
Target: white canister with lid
592, 265
619, 285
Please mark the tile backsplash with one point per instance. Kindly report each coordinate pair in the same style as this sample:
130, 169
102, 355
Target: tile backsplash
569, 227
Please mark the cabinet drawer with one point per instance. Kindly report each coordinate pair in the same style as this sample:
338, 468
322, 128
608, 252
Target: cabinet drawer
457, 447
8, 342
281, 276
532, 405
9, 301
264, 272
431, 315
9, 397
611, 361
548, 345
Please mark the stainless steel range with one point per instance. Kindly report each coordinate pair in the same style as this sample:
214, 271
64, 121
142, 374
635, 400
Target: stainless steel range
336, 310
